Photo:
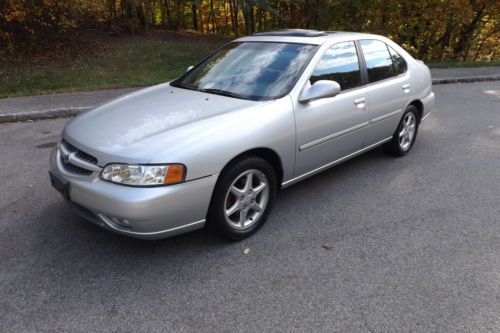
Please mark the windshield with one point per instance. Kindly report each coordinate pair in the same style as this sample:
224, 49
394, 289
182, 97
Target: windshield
250, 70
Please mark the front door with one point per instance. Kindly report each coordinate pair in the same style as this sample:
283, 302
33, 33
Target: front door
331, 128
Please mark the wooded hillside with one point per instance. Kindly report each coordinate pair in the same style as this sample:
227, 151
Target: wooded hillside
433, 30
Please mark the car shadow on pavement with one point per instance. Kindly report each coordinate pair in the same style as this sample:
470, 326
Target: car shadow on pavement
69, 245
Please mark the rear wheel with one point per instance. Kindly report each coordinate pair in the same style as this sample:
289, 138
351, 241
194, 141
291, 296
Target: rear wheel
243, 198
405, 135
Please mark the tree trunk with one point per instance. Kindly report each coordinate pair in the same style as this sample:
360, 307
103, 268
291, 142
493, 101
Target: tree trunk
147, 14
233, 8
195, 17
467, 31
226, 19
488, 35
248, 14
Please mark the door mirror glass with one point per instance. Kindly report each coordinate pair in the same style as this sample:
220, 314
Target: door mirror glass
320, 89
189, 68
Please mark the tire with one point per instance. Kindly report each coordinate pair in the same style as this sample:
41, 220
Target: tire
405, 135
238, 210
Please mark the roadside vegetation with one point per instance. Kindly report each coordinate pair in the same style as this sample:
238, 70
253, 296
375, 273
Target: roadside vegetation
99, 62
69, 45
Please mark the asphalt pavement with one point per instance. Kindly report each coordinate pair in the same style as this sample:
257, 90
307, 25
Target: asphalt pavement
377, 244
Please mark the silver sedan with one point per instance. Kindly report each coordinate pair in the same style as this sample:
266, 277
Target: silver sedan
214, 146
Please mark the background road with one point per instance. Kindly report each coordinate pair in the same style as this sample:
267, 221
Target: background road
376, 244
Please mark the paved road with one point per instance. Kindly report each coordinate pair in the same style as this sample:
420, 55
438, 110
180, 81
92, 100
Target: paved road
375, 245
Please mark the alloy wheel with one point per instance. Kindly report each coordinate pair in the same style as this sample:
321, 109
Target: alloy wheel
409, 126
246, 199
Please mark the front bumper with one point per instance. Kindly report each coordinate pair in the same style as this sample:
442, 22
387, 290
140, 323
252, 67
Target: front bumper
147, 213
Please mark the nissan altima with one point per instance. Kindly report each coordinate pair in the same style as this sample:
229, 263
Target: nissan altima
216, 145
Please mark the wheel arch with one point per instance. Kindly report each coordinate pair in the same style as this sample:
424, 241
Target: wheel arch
420, 107
267, 154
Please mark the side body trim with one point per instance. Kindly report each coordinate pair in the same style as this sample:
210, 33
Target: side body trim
333, 136
328, 165
385, 116
348, 130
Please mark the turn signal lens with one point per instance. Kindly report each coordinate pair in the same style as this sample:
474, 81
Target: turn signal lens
175, 174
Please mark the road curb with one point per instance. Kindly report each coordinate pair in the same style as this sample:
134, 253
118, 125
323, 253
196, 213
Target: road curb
43, 114
466, 79
73, 111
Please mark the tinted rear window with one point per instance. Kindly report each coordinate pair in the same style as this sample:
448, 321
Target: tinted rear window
398, 61
378, 60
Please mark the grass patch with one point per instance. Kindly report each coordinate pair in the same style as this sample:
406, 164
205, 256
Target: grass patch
108, 62
463, 64
99, 61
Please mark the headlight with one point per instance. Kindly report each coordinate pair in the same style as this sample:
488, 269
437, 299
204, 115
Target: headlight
144, 175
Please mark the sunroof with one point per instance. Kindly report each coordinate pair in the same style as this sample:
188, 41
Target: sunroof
293, 33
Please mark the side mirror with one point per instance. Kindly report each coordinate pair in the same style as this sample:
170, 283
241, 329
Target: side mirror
189, 68
320, 89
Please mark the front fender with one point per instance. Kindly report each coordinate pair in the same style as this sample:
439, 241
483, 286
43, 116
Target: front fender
205, 147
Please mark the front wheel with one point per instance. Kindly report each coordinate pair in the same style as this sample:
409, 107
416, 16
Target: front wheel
243, 198
405, 135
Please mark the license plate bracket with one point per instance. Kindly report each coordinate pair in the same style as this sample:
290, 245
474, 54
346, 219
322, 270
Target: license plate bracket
60, 184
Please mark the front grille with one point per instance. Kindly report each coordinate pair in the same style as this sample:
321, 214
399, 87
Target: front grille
72, 159
74, 168
80, 154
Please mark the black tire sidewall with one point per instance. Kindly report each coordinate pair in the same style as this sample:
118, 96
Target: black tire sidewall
393, 146
216, 218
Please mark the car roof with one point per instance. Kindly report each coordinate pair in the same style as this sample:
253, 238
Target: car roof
304, 36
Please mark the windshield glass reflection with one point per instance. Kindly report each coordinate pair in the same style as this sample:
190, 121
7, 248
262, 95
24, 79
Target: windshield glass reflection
250, 70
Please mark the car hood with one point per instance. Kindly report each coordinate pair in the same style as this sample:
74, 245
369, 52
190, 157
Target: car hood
118, 125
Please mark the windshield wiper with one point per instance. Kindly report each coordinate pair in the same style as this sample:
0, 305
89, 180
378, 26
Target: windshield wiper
221, 92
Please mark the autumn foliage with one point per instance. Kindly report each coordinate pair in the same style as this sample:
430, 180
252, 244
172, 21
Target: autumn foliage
433, 30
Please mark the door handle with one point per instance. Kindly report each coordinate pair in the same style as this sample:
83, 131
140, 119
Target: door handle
406, 87
360, 100
360, 103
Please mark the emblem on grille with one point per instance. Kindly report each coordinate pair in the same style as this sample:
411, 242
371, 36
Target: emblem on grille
67, 158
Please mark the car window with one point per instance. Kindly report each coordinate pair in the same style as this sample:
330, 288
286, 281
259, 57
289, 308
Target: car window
339, 63
398, 61
250, 70
378, 60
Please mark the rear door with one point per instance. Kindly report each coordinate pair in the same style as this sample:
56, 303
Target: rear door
388, 89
